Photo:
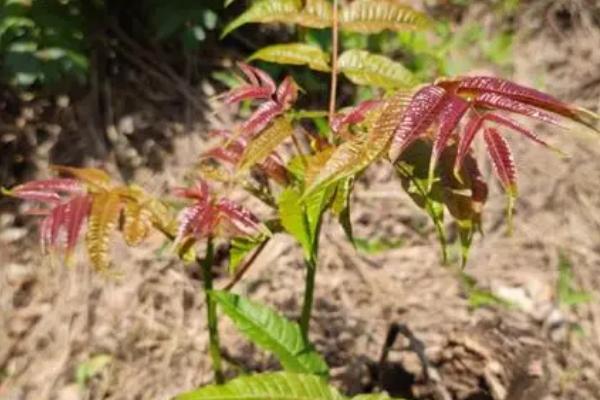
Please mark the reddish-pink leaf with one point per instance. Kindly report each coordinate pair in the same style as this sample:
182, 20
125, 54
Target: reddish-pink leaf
514, 125
263, 115
493, 100
51, 185
58, 215
186, 219
248, 71
77, 211
485, 84
36, 195
287, 92
260, 78
502, 159
246, 93
354, 115
466, 140
453, 109
240, 217
417, 118
199, 192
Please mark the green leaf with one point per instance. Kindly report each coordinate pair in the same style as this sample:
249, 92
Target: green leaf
294, 54
293, 220
240, 248
340, 206
364, 68
567, 293
91, 368
373, 16
375, 246
272, 332
268, 386
315, 14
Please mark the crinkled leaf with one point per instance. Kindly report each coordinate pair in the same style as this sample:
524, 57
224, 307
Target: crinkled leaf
272, 332
493, 100
504, 166
356, 154
264, 144
364, 68
268, 386
261, 117
95, 178
294, 54
372, 16
314, 14
137, 223
106, 208
417, 118
505, 88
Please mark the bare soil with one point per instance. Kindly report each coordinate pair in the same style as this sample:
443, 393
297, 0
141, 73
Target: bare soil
150, 319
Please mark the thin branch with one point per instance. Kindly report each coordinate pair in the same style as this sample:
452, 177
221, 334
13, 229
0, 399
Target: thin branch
244, 268
334, 64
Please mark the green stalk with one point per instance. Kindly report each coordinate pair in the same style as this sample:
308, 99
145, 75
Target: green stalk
211, 313
309, 290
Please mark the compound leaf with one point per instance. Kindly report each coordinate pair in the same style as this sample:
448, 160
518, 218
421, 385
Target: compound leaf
364, 68
272, 332
268, 386
294, 54
373, 16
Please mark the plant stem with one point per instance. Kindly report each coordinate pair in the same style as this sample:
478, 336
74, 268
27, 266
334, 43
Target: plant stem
309, 290
211, 313
334, 61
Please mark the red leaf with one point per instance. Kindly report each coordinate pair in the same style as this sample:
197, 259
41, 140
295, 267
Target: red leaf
502, 159
504, 103
241, 217
186, 219
199, 192
417, 118
514, 125
452, 111
258, 77
246, 93
354, 116
261, 118
78, 209
287, 92
248, 71
514, 91
36, 195
51, 185
466, 140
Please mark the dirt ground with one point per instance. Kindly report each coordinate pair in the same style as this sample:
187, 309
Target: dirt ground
150, 320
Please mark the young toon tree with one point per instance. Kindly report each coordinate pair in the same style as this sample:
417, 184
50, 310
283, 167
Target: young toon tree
425, 131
